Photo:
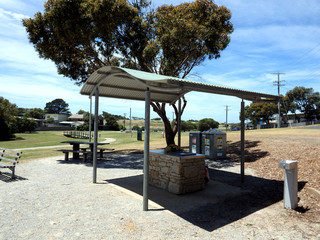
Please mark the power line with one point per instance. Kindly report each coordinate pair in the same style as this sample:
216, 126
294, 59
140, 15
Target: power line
306, 55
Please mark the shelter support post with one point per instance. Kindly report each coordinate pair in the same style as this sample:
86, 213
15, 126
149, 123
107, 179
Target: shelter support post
179, 122
242, 140
90, 120
95, 137
146, 151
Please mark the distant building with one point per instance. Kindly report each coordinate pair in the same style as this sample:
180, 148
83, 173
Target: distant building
57, 117
295, 117
74, 120
76, 117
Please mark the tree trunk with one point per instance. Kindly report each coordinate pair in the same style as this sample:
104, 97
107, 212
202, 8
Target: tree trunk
170, 132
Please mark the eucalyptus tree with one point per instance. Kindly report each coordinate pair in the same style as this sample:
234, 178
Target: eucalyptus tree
81, 36
305, 100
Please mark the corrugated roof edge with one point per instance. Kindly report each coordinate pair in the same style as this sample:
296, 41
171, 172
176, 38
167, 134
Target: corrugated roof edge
192, 85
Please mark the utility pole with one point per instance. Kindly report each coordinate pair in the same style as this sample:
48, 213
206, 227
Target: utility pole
278, 83
227, 109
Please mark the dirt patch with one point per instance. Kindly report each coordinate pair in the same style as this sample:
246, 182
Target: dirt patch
264, 151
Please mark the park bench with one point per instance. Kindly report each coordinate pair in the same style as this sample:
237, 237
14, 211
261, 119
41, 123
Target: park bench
9, 158
67, 151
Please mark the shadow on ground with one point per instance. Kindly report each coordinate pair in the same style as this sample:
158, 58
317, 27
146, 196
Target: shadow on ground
6, 177
117, 159
251, 154
224, 200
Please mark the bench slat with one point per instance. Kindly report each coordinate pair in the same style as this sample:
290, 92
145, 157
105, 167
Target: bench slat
6, 165
10, 150
9, 160
10, 155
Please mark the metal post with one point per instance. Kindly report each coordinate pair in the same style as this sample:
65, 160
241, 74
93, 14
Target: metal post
179, 122
279, 118
95, 137
90, 120
146, 151
130, 123
227, 117
242, 140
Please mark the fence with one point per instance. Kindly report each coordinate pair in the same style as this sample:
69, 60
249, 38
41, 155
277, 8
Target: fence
76, 134
283, 125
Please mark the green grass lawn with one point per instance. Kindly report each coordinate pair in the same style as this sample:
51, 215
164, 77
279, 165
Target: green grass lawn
124, 140
36, 139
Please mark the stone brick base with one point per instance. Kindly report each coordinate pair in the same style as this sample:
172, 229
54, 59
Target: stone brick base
177, 174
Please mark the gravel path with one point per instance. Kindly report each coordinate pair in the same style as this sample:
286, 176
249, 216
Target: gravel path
54, 199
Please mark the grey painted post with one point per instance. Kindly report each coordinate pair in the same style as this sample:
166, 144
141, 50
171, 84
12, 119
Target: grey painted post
290, 190
130, 123
179, 122
90, 120
146, 151
242, 140
95, 137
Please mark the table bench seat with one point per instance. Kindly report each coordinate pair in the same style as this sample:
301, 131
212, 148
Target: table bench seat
102, 150
67, 151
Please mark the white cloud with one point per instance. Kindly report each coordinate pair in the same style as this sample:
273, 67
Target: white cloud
269, 36
9, 15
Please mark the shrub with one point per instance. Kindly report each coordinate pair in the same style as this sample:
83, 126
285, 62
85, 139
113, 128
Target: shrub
206, 124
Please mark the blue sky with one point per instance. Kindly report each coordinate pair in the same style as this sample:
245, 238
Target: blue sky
269, 36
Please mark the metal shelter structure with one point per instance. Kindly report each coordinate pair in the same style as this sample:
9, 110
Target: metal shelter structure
116, 82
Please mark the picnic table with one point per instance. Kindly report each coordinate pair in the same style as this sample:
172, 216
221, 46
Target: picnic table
76, 147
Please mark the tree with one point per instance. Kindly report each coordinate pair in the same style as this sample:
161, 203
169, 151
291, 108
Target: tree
206, 124
25, 124
286, 105
37, 113
188, 126
8, 119
260, 111
81, 111
171, 40
57, 106
304, 100
111, 121
86, 119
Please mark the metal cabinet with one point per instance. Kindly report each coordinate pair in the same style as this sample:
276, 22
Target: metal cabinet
214, 144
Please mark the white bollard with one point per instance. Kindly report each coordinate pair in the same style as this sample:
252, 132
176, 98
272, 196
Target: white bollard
290, 193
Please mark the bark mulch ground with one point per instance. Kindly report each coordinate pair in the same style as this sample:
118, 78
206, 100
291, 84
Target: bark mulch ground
266, 149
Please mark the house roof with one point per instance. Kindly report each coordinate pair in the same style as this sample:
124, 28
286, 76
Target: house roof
126, 83
76, 116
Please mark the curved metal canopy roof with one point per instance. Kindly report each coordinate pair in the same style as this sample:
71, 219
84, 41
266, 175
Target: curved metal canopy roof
131, 84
